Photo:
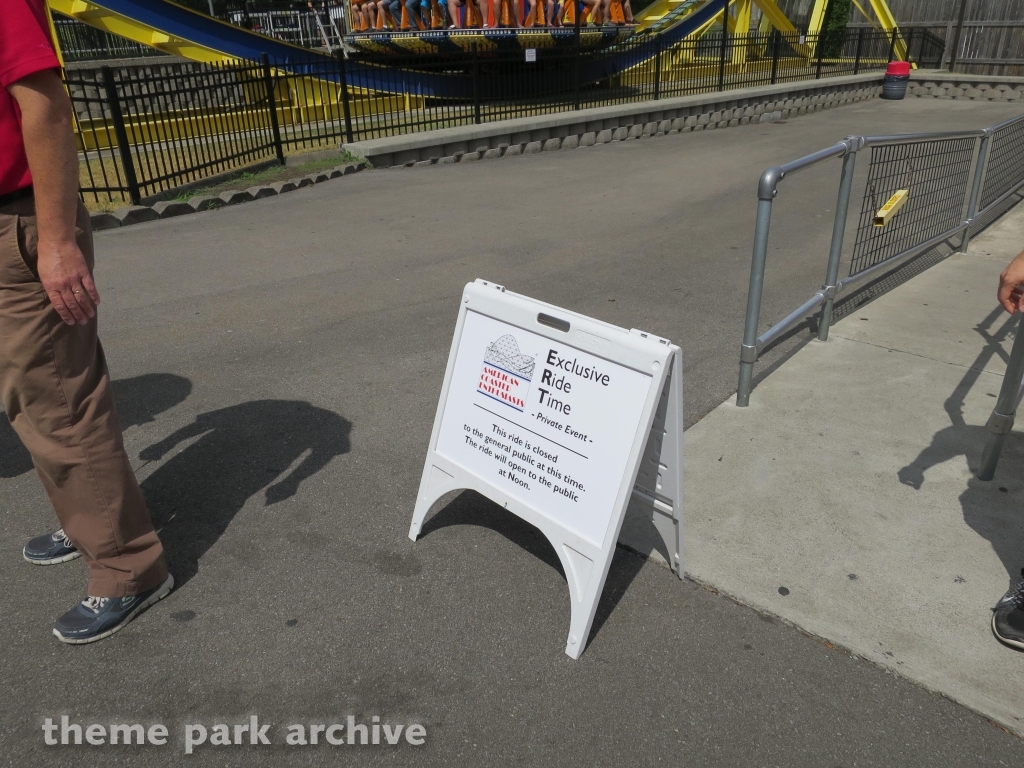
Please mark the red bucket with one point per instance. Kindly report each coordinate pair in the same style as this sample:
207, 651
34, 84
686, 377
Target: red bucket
898, 68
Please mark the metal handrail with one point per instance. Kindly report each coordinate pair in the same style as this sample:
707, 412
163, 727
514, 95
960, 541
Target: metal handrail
767, 189
1005, 123
917, 138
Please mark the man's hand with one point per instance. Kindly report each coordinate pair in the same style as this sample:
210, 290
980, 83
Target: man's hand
1009, 285
66, 280
46, 127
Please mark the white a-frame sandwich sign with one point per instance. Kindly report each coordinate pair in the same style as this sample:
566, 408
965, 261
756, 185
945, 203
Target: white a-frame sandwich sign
567, 422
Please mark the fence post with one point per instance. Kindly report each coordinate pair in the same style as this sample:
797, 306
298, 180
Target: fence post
476, 86
578, 12
721, 63
268, 82
860, 43
979, 175
820, 50
910, 40
346, 107
748, 352
956, 38
838, 230
1001, 421
892, 43
657, 67
775, 54
116, 116
946, 45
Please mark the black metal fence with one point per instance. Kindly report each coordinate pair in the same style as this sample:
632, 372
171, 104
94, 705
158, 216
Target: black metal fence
400, 93
142, 132
146, 130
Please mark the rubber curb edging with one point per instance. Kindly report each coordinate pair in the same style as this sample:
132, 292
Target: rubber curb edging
165, 209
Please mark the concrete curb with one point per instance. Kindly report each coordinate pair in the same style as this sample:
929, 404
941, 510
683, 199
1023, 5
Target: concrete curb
165, 209
938, 84
620, 122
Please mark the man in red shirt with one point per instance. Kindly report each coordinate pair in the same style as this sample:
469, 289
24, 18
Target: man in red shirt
53, 377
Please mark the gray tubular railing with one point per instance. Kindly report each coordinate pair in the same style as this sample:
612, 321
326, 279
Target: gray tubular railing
767, 189
996, 143
1000, 422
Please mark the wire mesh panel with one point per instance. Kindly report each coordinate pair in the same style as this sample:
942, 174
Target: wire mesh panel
1005, 162
931, 178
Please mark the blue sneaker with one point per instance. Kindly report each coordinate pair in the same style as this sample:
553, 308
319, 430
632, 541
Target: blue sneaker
50, 549
98, 617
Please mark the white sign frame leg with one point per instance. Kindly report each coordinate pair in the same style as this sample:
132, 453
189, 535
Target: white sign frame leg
651, 478
654, 518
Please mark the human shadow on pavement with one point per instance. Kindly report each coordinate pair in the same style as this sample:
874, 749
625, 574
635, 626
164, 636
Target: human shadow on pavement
470, 508
139, 400
988, 508
232, 454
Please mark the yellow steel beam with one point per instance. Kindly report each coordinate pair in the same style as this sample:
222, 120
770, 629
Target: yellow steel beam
888, 22
657, 11
817, 17
781, 22
741, 26
885, 22
775, 15
885, 17
866, 15
96, 15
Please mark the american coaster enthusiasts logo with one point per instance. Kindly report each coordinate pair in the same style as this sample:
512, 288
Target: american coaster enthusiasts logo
507, 373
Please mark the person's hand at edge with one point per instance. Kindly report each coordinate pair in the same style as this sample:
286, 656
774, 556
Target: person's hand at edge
66, 280
53, 160
1010, 282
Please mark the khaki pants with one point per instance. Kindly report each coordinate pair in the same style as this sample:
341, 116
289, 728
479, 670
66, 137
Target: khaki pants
56, 390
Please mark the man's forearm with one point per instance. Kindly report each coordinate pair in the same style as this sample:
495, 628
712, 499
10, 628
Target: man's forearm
48, 135
46, 128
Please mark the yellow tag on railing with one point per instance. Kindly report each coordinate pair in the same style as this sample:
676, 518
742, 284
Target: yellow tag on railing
891, 208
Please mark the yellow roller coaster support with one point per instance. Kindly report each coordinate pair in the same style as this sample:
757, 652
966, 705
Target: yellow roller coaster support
886, 21
97, 16
779, 20
656, 12
741, 26
817, 17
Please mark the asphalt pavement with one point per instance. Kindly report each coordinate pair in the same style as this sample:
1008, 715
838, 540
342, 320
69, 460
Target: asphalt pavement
278, 365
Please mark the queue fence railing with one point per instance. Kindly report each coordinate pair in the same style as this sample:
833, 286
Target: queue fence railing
943, 186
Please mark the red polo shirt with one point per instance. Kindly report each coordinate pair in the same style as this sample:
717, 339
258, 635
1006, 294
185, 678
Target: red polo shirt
25, 48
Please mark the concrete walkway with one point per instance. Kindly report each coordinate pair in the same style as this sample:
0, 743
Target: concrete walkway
277, 367
843, 499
